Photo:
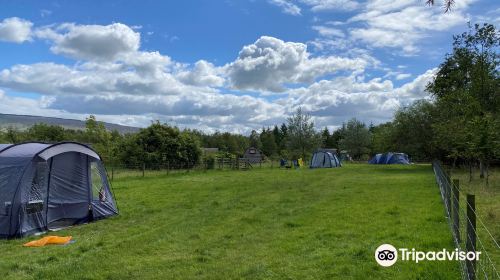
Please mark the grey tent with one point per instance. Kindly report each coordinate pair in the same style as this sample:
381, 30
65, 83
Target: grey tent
49, 186
324, 159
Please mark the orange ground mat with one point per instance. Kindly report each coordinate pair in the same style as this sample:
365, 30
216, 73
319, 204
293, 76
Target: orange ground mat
53, 239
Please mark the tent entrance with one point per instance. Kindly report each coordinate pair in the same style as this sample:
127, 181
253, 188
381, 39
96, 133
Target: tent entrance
68, 191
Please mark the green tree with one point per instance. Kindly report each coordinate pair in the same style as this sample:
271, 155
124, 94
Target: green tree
302, 139
283, 139
278, 138
229, 142
3, 138
466, 89
336, 136
97, 135
46, 133
159, 145
356, 139
254, 139
325, 137
269, 147
413, 132
13, 136
384, 138
410, 132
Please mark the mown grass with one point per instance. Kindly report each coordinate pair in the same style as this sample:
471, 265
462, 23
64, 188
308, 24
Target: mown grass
258, 224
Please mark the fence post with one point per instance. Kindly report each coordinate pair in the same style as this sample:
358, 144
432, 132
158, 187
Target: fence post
143, 168
447, 193
455, 209
470, 243
112, 172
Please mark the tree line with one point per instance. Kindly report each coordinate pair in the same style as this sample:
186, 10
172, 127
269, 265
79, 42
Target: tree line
459, 122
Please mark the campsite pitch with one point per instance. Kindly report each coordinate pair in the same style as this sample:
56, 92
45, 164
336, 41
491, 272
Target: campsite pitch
258, 224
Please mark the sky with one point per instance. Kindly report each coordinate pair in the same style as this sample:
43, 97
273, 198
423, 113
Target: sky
225, 65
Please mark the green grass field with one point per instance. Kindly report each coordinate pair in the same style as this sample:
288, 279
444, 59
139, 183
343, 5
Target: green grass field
259, 224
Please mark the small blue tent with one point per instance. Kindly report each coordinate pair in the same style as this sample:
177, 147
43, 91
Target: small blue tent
322, 159
390, 158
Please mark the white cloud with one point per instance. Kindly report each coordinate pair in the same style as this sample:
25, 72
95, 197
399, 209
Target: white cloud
23, 106
330, 102
402, 76
121, 83
387, 38
383, 25
196, 103
269, 63
203, 74
329, 5
328, 31
87, 79
15, 30
338, 100
92, 42
353, 84
45, 13
287, 7
328, 45
416, 89
148, 63
400, 25
110, 90
398, 75
385, 6
491, 17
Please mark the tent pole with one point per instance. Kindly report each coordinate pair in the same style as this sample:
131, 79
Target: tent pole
48, 193
89, 187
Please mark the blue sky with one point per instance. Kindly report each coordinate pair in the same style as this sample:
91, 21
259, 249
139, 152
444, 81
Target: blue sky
224, 65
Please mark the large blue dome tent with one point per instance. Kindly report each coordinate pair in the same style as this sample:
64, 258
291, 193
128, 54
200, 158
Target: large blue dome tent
324, 159
50, 186
390, 158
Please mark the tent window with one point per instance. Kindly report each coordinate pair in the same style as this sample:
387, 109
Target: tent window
98, 189
6, 191
252, 151
35, 193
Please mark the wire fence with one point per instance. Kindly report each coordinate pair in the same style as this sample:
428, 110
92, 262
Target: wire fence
152, 169
469, 232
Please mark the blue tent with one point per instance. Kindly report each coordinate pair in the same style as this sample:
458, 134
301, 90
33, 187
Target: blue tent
51, 186
390, 158
322, 159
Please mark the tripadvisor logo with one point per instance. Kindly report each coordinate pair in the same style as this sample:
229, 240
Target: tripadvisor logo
387, 255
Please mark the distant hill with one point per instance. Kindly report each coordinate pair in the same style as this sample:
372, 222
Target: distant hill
22, 122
